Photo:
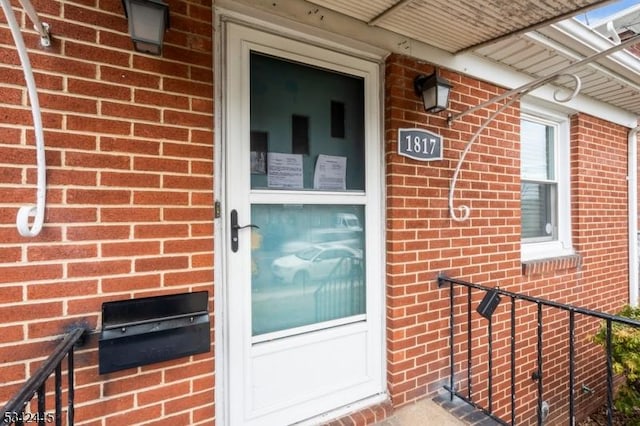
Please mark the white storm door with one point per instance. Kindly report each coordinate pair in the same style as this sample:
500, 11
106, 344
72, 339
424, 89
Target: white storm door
304, 282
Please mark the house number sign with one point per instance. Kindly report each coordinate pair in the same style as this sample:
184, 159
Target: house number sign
419, 144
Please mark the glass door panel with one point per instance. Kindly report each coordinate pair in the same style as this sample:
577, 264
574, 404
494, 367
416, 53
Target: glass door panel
307, 127
307, 266
307, 260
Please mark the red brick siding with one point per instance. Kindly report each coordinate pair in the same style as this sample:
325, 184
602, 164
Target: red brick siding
422, 241
129, 147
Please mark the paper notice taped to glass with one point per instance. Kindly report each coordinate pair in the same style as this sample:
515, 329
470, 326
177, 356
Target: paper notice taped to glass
284, 171
330, 173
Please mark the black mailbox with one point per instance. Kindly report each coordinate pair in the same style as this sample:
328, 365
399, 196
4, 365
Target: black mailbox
152, 329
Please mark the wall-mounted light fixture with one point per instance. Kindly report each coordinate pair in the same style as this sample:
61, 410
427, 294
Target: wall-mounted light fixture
148, 20
434, 91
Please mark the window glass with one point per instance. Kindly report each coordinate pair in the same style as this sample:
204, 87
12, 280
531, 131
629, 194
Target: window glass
537, 152
307, 127
538, 186
307, 265
545, 190
536, 210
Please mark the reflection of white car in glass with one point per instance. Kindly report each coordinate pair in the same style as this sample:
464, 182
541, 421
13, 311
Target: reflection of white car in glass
325, 236
349, 221
312, 263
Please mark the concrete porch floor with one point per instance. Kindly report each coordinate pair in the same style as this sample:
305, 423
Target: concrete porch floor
438, 411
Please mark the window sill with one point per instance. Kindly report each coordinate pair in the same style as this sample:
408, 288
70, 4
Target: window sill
554, 264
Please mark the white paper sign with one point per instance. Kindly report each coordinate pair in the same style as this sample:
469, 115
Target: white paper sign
284, 171
330, 173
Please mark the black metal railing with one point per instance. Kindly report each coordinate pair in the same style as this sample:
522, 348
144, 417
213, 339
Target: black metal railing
483, 399
16, 411
342, 293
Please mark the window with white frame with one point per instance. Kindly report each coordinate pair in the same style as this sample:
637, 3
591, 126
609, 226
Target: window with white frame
544, 185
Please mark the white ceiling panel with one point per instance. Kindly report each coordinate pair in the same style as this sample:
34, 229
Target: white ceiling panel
456, 25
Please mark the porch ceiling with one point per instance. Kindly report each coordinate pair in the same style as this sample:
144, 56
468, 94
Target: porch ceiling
614, 80
457, 25
534, 37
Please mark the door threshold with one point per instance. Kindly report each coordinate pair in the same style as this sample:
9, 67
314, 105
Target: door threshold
345, 410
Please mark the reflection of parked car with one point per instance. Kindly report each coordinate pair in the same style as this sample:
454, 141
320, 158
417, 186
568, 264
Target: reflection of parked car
349, 221
312, 263
321, 236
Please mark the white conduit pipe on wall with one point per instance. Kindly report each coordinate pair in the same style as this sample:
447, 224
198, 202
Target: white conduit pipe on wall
633, 215
37, 211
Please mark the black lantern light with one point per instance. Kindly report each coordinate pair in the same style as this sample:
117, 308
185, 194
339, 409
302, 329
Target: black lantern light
434, 91
148, 20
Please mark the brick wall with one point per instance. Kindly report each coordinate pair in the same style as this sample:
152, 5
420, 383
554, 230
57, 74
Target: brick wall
422, 241
129, 147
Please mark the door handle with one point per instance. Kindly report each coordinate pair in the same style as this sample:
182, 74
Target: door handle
235, 228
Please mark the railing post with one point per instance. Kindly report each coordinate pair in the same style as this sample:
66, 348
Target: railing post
513, 360
490, 353
34, 387
71, 392
609, 375
58, 385
469, 339
539, 372
42, 404
572, 367
451, 341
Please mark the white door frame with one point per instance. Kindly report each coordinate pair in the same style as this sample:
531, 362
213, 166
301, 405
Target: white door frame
221, 291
